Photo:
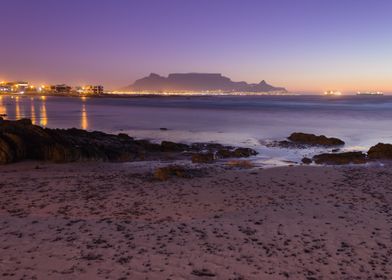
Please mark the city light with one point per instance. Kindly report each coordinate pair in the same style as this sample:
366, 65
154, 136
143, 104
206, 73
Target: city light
59, 89
332, 93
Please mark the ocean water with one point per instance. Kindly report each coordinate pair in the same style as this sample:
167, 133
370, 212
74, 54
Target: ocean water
361, 121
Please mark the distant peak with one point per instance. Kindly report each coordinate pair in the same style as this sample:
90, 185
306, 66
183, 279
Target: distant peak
154, 75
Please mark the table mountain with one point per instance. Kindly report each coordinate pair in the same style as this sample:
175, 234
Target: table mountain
198, 82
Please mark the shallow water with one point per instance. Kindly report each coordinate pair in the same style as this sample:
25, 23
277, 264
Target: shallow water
236, 120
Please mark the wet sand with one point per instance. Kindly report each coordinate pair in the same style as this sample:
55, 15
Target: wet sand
114, 221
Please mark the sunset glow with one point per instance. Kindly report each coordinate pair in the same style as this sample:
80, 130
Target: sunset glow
305, 46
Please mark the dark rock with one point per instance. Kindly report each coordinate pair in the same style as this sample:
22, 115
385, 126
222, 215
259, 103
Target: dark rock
380, 151
124, 136
163, 129
148, 146
7, 153
314, 140
341, 158
208, 146
306, 160
236, 153
25, 122
286, 144
203, 158
244, 152
203, 273
168, 146
224, 153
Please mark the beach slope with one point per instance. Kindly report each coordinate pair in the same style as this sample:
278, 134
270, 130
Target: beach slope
115, 221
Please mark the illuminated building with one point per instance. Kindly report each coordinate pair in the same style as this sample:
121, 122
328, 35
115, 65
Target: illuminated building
90, 89
60, 89
14, 87
43, 89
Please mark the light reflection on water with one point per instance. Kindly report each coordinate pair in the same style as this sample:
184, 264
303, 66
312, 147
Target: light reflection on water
3, 108
36, 109
43, 116
17, 108
32, 109
84, 118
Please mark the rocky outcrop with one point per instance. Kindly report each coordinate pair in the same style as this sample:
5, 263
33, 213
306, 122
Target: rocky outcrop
380, 151
314, 140
168, 146
21, 140
340, 158
306, 160
235, 153
299, 140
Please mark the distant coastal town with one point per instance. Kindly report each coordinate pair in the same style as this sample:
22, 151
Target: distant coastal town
23, 87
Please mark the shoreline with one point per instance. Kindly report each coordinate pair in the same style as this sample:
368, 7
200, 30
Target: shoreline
158, 95
23, 140
147, 95
115, 221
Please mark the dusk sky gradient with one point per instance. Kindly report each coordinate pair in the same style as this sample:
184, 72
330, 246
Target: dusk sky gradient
303, 45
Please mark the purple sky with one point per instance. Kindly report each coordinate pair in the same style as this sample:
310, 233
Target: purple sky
303, 45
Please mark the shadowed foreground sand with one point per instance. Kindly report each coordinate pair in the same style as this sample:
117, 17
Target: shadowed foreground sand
113, 221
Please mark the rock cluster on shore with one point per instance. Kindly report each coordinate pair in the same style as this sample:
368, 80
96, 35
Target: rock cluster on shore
300, 140
340, 158
314, 140
21, 140
304, 140
380, 151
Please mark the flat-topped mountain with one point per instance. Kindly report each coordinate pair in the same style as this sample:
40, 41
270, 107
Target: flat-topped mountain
198, 82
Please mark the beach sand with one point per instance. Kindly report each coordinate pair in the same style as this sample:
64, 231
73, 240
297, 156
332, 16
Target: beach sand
114, 221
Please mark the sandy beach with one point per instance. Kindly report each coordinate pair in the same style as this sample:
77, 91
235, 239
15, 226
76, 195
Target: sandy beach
115, 221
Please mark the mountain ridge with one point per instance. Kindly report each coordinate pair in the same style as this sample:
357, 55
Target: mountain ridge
198, 82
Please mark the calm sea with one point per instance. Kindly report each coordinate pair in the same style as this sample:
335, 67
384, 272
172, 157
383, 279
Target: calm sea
236, 120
